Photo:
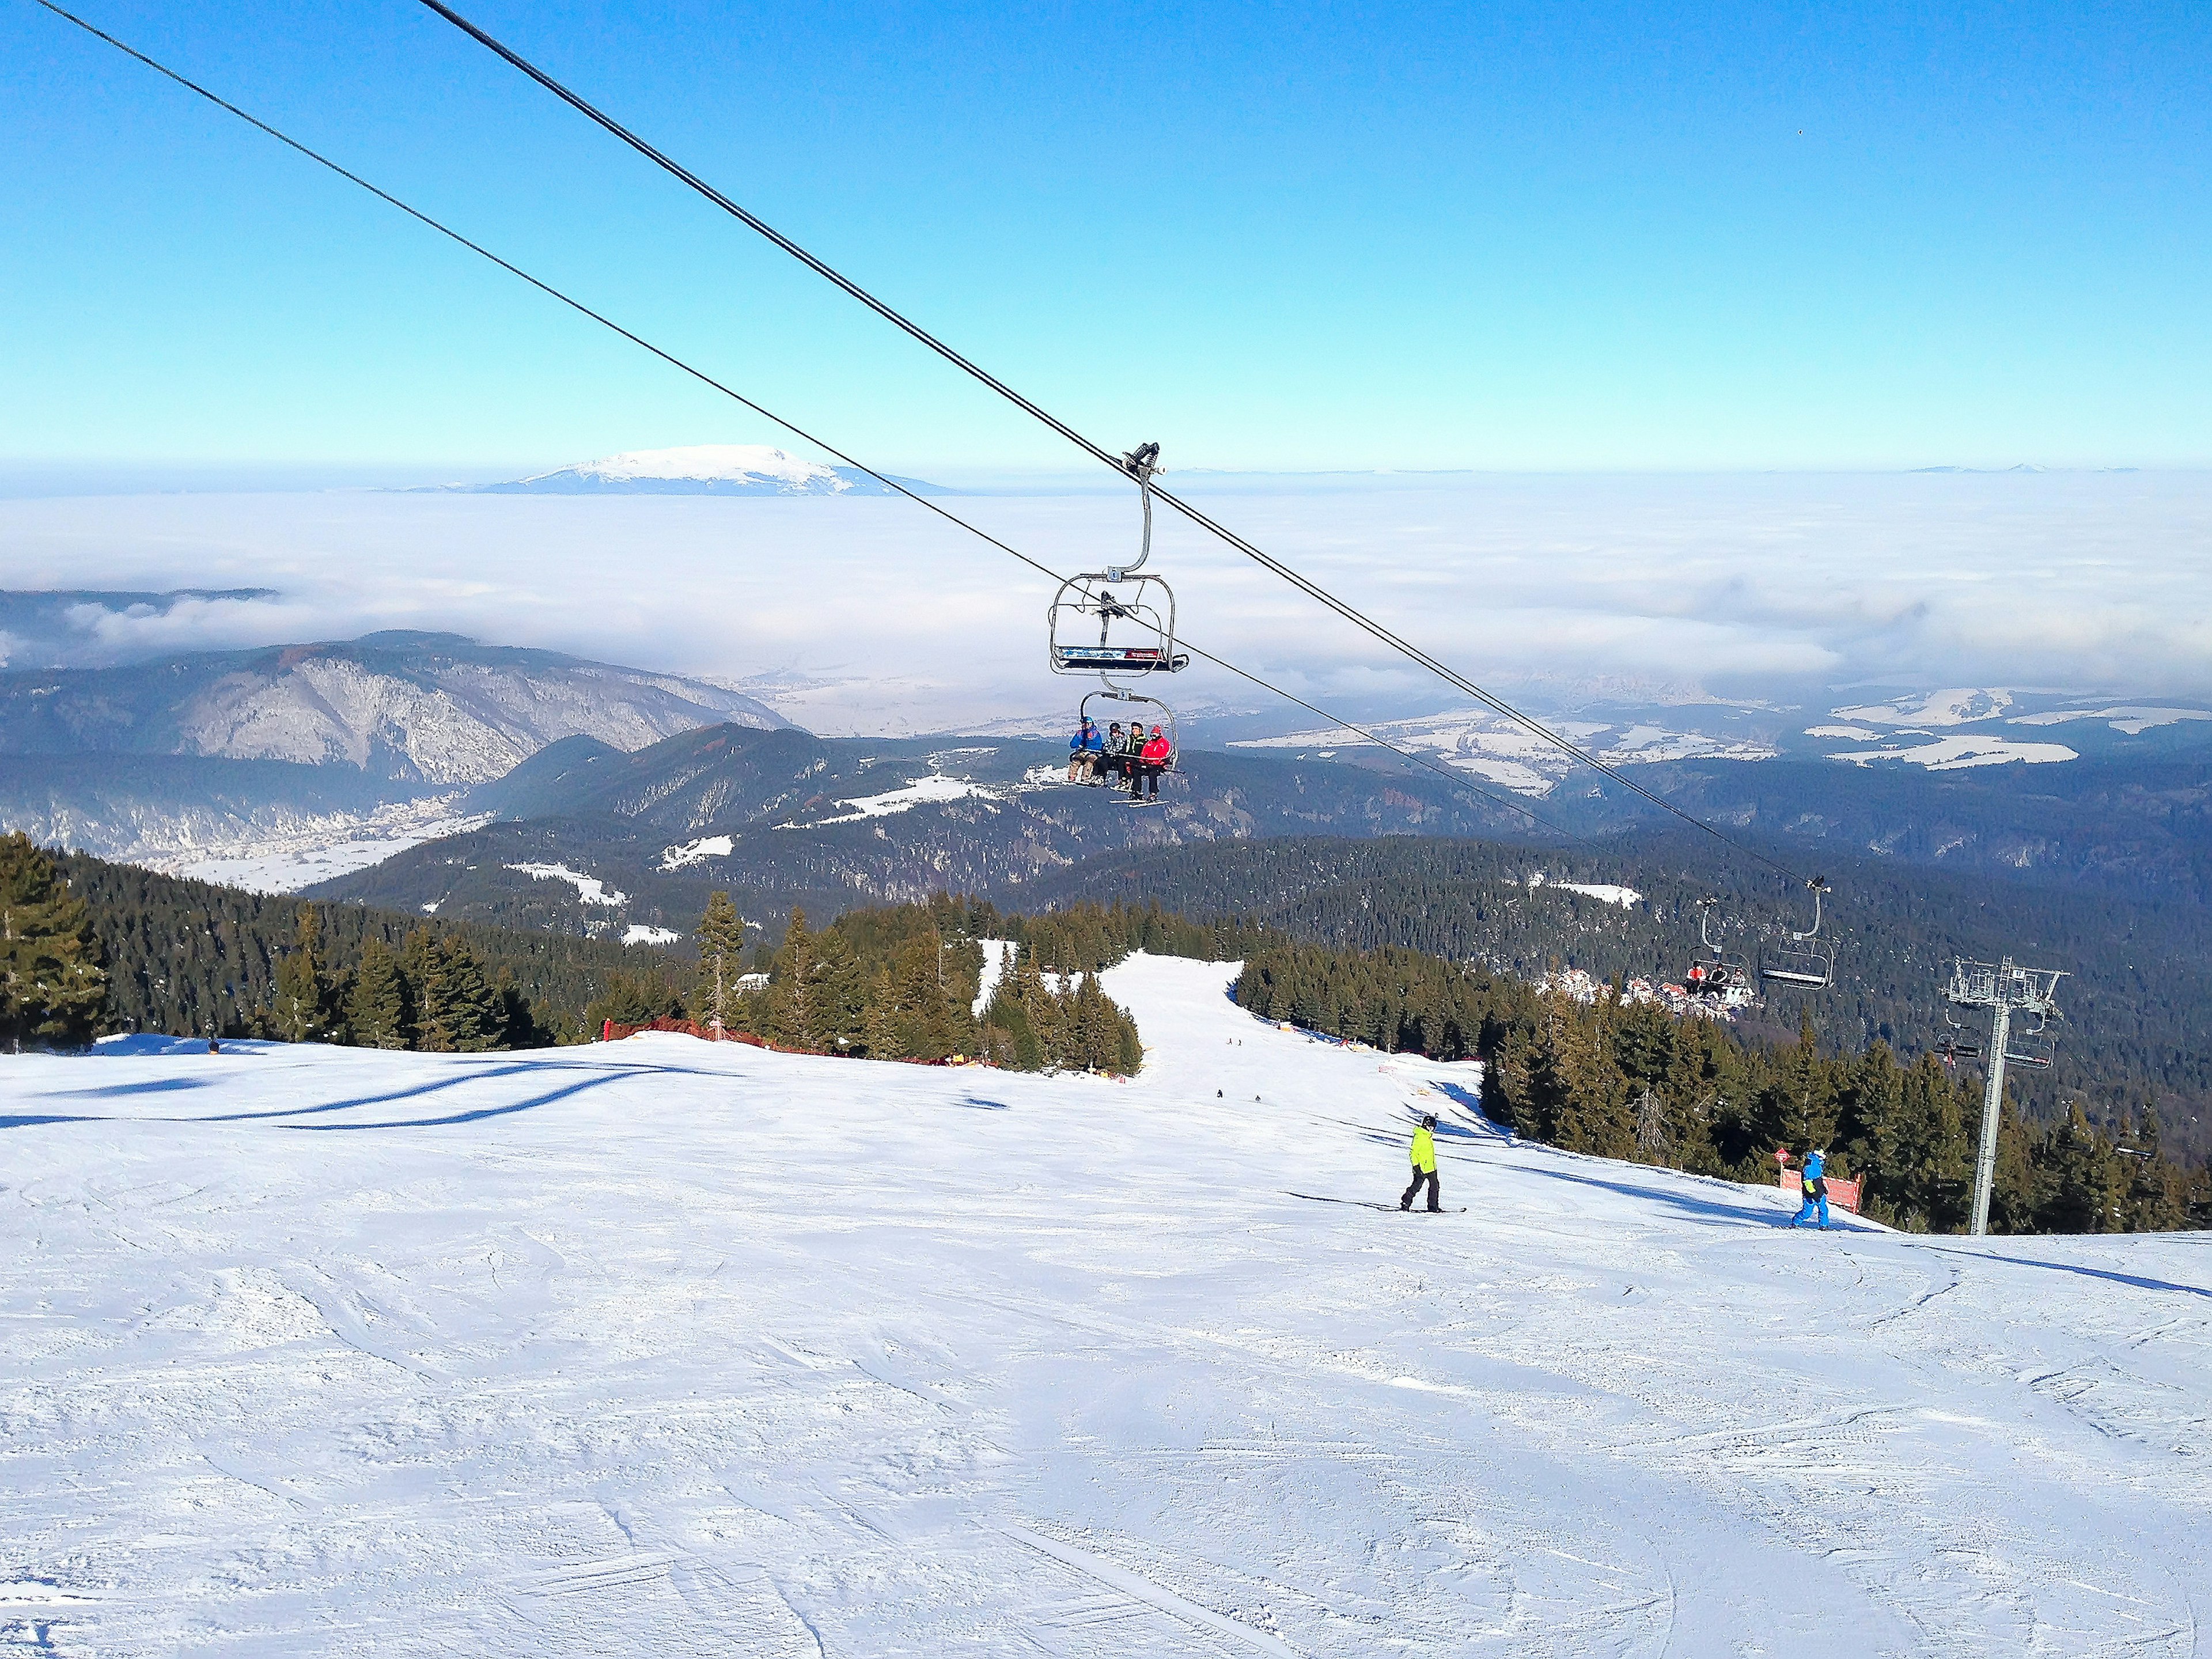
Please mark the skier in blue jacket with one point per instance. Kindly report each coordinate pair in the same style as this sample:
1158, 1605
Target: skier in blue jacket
1085, 750
1816, 1191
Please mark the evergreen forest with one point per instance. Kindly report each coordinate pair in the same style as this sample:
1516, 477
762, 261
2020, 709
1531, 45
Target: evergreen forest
902, 982
1628, 1080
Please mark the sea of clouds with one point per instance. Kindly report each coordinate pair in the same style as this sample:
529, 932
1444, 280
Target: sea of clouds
874, 616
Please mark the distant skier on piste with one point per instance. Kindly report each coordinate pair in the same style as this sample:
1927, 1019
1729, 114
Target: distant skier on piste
1816, 1190
1423, 1154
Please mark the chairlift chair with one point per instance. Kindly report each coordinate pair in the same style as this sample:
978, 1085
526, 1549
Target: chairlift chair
1121, 600
1801, 963
1721, 970
2035, 1045
1095, 629
1954, 1046
1165, 719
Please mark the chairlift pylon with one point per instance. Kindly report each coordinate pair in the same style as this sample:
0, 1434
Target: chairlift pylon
1801, 963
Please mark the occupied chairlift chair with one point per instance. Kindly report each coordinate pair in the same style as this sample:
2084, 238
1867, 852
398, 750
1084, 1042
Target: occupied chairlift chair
1721, 970
1162, 716
1135, 627
1803, 963
1954, 1046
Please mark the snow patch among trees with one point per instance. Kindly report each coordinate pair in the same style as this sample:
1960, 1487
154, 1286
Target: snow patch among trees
590, 888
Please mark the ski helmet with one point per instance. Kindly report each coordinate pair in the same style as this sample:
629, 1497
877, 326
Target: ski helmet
1428, 1120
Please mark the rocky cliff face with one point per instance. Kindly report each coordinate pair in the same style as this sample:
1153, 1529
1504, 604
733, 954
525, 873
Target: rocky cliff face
429, 708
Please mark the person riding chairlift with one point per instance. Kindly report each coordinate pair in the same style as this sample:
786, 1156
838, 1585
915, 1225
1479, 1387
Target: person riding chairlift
1133, 755
1084, 750
1111, 758
1152, 759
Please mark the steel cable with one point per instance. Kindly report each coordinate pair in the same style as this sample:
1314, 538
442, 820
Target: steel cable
1457, 778
1306, 585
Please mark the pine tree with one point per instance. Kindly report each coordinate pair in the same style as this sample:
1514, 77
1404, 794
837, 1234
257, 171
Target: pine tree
302, 1005
880, 1034
52, 987
378, 1014
722, 938
836, 997
457, 1011
789, 1016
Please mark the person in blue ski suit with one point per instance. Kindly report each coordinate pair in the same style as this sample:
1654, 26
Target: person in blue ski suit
1816, 1191
1084, 750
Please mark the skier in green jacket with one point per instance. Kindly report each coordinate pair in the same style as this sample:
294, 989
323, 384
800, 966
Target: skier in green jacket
1424, 1155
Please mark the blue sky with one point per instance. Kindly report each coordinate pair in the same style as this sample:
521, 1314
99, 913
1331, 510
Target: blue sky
1500, 238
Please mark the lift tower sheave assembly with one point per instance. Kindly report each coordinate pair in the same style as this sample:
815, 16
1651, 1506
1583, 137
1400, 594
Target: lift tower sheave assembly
2004, 988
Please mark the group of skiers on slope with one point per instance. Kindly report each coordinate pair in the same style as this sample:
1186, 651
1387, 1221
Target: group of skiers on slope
1131, 754
1424, 1155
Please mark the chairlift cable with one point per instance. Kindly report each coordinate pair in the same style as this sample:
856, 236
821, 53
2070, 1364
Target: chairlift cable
1267, 561
1459, 779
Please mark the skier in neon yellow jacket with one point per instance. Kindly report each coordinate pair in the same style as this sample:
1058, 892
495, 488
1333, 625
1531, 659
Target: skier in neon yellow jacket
1423, 1154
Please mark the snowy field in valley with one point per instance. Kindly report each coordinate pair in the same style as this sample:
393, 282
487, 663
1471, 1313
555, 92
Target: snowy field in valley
665, 1348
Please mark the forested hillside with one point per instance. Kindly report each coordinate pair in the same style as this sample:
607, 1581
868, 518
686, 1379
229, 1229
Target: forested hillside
2136, 1002
1627, 1081
191, 958
902, 982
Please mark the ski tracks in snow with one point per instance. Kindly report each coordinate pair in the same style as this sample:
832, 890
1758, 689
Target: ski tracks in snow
745, 1352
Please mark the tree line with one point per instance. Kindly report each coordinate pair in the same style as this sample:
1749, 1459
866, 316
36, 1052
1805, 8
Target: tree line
2141, 969
80, 942
1627, 1080
900, 982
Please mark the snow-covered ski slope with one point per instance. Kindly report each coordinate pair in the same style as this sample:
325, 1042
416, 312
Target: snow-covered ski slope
663, 1348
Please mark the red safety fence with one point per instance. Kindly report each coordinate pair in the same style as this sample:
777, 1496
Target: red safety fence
1844, 1195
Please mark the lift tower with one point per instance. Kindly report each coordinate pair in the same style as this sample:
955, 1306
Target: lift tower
2002, 987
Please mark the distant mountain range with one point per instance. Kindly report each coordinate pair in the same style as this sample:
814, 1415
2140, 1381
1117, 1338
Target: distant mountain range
218, 756
591, 842
435, 708
698, 470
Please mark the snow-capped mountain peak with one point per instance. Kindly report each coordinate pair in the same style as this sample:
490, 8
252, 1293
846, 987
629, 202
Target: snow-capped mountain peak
737, 463
700, 469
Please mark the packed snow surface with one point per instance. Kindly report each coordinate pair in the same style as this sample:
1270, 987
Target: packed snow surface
670, 1348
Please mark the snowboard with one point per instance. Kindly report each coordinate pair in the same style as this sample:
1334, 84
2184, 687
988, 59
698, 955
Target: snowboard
1369, 1204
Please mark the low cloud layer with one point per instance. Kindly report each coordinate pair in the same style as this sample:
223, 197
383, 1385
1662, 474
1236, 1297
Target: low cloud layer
873, 616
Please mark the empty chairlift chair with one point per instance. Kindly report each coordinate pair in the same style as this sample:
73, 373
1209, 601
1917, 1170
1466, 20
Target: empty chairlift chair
1803, 963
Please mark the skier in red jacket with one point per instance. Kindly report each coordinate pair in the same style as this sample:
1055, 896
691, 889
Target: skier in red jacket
1153, 760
